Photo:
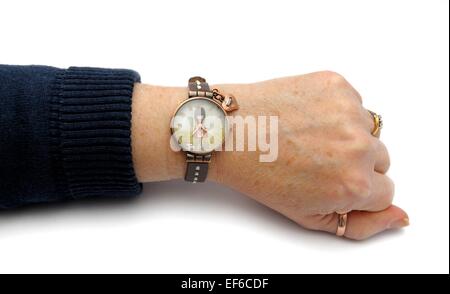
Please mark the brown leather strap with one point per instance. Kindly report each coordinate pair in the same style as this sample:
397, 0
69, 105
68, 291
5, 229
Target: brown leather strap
198, 87
197, 167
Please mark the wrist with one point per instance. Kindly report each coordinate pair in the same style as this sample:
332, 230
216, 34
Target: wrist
152, 110
224, 164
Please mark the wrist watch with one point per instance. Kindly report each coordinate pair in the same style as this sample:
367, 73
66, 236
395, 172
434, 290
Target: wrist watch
200, 126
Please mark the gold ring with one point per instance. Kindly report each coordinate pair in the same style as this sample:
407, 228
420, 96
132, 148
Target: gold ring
378, 123
342, 224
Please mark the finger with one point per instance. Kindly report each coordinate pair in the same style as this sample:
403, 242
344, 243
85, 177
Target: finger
381, 196
369, 122
361, 224
382, 161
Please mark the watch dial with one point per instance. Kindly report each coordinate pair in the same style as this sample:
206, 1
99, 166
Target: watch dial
199, 125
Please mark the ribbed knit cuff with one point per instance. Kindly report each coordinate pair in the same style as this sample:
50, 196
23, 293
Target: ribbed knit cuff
91, 115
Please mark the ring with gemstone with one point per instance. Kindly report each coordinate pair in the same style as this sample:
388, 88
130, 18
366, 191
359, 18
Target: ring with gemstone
378, 123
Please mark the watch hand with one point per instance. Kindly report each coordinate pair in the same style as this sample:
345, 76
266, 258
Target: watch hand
195, 130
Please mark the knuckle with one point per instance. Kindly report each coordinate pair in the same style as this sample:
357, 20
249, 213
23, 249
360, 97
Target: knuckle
386, 157
351, 132
362, 142
390, 190
329, 74
340, 196
358, 185
388, 163
333, 78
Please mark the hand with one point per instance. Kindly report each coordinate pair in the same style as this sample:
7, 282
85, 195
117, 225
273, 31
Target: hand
328, 161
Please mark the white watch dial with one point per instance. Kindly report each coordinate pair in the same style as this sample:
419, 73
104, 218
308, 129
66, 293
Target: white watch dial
199, 125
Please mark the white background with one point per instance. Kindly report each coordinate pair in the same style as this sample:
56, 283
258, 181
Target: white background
396, 53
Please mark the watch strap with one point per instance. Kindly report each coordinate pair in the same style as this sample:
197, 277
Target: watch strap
198, 87
197, 167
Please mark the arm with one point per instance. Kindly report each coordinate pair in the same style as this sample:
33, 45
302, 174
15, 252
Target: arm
328, 160
86, 132
65, 134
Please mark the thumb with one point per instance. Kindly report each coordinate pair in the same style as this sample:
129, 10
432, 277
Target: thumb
361, 224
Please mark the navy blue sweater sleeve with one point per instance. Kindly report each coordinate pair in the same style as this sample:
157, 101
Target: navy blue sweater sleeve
65, 134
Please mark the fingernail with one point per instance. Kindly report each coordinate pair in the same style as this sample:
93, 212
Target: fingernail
399, 223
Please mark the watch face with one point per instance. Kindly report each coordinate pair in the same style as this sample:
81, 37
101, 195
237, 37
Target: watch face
199, 125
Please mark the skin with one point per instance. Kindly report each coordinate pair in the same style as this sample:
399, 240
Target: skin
328, 160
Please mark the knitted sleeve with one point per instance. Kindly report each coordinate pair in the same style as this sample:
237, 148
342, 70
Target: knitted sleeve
65, 134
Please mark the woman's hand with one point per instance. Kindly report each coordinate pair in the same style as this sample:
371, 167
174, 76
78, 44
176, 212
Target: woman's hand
328, 160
